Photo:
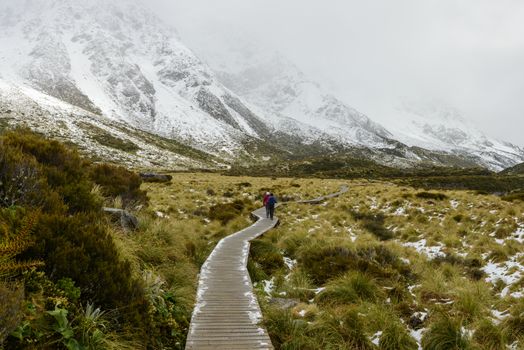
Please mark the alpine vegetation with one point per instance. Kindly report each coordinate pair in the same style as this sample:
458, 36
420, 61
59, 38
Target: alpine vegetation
159, 191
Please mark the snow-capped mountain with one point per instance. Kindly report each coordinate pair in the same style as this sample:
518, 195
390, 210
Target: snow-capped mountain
289, 99
435, 126
118, 60
96, 136
69, 67
279, 88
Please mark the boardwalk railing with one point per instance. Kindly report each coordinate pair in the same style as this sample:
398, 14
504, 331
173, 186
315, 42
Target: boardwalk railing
227, 314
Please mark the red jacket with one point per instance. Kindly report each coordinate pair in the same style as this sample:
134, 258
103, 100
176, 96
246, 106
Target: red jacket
266, 197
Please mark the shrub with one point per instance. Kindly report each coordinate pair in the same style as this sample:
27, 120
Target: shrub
81, 260
445, 333
20, 180
117, 181
63, 170
514, 196
325, 262
11, 300
111, 141
78, 247
226, 212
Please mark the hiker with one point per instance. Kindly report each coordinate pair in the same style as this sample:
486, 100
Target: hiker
270, 205
266, 197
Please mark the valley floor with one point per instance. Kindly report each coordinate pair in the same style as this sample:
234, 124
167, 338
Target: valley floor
384, 266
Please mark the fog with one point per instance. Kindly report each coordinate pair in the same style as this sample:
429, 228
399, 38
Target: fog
468, 54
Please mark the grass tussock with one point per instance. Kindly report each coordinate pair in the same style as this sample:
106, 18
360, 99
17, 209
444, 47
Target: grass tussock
446, 333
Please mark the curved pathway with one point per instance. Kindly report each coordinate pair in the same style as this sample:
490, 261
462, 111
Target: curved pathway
227, 314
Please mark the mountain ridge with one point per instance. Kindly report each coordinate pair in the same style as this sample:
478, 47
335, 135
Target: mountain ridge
118, 63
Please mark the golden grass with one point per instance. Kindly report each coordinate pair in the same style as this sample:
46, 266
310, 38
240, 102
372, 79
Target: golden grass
466, 229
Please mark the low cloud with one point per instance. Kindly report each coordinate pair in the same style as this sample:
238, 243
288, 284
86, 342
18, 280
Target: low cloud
371, 54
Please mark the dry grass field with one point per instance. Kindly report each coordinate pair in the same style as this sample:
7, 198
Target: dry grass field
384, 266
183, 222
392, 267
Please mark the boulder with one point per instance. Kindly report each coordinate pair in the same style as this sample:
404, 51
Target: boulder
153, 177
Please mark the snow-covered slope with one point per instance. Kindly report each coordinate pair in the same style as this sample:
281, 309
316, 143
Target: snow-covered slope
293, 103
435, 126
115, 62
279, 88
116, 59
94, 135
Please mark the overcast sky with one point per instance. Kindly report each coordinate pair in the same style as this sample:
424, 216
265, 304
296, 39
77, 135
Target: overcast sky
372, 53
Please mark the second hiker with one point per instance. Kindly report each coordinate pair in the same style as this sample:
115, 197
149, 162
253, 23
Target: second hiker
270, 205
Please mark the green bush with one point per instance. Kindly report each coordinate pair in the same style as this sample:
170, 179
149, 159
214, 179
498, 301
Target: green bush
323, 262
11, 301
483, 183
78, 247
20, 180
61, 168
70, 235
117, 181
514, 196
227, 211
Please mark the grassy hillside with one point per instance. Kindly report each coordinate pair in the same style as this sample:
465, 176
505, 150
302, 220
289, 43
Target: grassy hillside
506, 184
517, 169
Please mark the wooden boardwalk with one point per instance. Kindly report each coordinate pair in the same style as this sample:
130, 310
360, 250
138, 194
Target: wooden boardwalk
227, 314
